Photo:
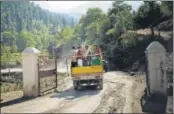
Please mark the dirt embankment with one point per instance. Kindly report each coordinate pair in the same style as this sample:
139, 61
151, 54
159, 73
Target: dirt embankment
124, 94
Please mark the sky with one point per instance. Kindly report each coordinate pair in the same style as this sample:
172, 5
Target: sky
59, 6
79, 6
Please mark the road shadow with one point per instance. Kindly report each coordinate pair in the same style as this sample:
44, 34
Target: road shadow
16, 101
153, 104
70, 93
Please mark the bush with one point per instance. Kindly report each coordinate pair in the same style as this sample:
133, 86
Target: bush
7, 87
9, 60
130, 49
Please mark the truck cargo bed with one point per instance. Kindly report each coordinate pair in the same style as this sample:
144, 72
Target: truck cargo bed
87, 70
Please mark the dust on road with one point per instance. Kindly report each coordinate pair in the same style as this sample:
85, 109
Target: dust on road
121, 94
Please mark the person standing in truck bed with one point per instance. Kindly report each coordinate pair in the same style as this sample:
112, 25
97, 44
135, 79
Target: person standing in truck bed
73, 57
80, 56
97, 52
87, 57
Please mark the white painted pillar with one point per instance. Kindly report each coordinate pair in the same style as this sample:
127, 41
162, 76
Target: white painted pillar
30, 72
156, 55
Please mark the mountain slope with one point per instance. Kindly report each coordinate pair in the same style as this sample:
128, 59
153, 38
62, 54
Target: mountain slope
25, 24
19, 15
81, 9
104, 5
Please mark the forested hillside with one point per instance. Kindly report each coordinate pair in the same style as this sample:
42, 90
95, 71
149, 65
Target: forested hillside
26, 24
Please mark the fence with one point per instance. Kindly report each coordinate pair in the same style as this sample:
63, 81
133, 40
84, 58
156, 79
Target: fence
47, 74
11, 68
11, 71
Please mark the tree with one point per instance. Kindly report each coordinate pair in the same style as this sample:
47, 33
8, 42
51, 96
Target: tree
5, 49
118, 6
14, 48
63, 35
120, 18
8, 38
167, 10
148, 15
169, 5
90, 25
27, 39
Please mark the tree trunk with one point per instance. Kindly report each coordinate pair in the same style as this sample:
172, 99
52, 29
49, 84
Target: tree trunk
152, 30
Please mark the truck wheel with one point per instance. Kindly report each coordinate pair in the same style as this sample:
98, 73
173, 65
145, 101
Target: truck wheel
75, 85
101, 84
79, 87
106, 70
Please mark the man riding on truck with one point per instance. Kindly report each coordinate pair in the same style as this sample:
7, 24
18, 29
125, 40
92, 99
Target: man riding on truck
80, 56
87, 57
73, 57
98, 50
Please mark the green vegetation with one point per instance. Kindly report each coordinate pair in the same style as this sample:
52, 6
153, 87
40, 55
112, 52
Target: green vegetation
24, 24
150, 14
7, 87
11, 60
116, 30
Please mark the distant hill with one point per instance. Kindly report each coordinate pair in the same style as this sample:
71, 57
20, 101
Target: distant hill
81, 9
75, 16
104, 5
46, 6
27, 24
26, 15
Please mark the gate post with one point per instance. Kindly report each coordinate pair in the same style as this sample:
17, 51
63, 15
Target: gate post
156, 55
30, 72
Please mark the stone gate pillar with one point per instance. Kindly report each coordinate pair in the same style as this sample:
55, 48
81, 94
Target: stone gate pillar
156, 67
30, 72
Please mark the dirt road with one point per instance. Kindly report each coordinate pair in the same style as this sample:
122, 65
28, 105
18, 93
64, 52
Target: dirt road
121, 94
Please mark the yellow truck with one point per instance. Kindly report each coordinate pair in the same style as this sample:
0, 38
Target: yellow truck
88, 75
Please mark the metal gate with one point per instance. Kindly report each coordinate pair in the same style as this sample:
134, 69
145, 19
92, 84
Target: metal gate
47, 74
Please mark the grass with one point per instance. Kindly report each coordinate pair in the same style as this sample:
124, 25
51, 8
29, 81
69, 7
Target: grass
11, 60
8, 87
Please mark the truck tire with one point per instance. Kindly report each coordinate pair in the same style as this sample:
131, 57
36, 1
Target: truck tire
106, 69
101, 84
79, 87
75, 85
